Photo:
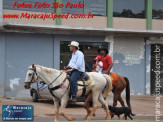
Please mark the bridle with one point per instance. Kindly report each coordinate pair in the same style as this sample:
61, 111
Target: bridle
34, 70
53, 88
33, 75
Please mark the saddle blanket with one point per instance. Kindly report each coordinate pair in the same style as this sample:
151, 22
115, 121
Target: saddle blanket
114, 78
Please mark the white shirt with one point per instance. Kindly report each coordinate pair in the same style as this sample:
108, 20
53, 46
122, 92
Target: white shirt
98, 69
77, 61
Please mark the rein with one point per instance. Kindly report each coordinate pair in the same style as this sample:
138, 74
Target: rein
57, 87
55, 79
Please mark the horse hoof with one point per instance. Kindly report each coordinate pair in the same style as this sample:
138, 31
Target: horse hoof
73, 119
108, 118
55, 120
88, 119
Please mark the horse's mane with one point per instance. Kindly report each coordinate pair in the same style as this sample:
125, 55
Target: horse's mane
46, 69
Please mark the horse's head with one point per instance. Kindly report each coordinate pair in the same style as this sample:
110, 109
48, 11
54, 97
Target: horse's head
31, 77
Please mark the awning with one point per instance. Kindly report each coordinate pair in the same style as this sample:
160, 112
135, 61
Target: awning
58, 29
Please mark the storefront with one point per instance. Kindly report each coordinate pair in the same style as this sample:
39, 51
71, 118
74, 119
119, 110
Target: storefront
19, 50
132, 55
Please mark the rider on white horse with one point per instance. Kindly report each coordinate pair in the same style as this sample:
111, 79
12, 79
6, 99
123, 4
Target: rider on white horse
76, 66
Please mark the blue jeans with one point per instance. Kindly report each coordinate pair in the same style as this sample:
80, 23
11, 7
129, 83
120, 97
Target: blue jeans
104, 87
107, 72
73, 82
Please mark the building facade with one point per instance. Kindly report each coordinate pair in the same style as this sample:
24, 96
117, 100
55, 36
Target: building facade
132, 30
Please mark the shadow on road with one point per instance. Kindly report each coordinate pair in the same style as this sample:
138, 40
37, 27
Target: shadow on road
69, 104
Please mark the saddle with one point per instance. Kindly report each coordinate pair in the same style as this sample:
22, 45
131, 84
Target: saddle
83, 77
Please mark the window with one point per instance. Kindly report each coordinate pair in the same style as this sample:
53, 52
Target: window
72, 10
88, 48
157, 9
8, 4
129, 8
96, 7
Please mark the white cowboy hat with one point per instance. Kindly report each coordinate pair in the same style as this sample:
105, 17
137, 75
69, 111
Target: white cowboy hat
74, 43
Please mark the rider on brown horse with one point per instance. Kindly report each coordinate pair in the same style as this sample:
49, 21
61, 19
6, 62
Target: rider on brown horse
121, 82
106, 60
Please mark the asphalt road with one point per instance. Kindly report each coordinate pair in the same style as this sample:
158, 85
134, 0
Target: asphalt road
142, 106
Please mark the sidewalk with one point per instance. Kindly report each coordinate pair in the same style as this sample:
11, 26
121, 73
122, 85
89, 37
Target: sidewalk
142, 106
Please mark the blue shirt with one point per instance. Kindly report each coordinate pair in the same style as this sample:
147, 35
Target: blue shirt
77, 61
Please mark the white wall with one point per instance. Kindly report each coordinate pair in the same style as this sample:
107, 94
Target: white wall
129, 61
2, 64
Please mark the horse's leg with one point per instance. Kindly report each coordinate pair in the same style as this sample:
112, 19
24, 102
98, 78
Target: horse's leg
115, 99
56, 106
102, 101
121, 101
63, 106
86, 104
95, 95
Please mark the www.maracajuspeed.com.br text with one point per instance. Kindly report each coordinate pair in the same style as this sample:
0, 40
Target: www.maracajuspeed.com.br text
44, 16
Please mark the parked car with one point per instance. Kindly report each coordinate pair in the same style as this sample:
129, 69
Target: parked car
39, 90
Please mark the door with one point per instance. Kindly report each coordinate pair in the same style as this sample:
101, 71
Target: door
156, 69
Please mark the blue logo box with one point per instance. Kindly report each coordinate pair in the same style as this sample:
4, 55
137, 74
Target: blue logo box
17, 112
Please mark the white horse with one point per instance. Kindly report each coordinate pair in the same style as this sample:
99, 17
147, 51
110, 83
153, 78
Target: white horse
57, 79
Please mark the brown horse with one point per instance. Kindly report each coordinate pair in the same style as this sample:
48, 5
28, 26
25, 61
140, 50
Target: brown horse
118, 87
121, 84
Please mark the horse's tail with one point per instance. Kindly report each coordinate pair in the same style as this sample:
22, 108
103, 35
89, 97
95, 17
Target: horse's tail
108, 85
127, 92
